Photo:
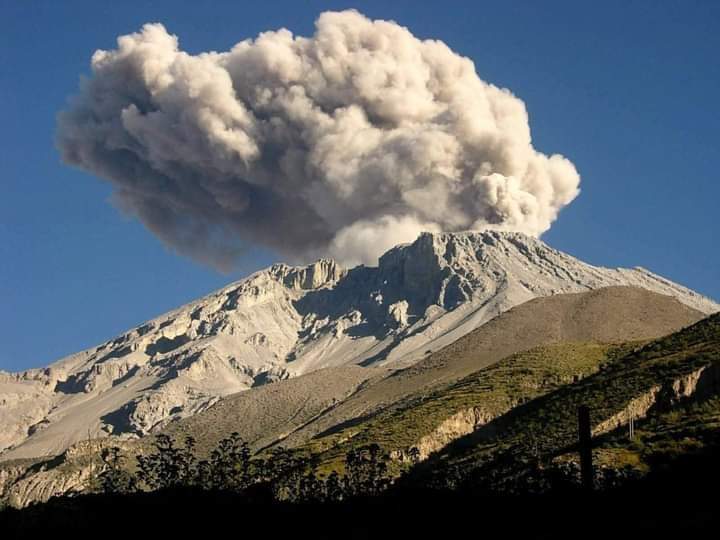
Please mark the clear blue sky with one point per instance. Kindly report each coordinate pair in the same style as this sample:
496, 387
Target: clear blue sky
628, 90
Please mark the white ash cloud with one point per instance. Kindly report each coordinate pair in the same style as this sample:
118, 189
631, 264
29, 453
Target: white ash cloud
340, 144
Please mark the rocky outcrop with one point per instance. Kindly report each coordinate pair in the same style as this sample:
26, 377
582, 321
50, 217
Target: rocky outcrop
697, 385
636, 408
38, 484
319, 274
458, 425
9, 474
398, 314
32, 481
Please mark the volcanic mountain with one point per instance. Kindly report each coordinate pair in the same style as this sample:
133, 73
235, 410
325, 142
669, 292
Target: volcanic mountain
287, 321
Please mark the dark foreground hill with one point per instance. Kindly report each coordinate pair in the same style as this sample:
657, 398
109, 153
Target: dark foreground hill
662, 510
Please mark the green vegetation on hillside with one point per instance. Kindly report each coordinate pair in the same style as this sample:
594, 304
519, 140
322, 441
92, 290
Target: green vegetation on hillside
530, 438
280, 475
689, 429
492, 392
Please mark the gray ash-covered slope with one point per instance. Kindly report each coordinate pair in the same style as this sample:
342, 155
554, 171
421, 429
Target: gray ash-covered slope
286, 321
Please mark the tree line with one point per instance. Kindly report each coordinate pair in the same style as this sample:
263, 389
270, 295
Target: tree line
281, 474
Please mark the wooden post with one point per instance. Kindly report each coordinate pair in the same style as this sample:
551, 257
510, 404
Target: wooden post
585, 439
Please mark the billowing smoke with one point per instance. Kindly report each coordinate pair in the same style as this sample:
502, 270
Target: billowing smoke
342, 144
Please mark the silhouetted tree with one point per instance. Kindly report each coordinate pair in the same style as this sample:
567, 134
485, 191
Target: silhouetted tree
170, 466
284, 470
366, 471
333, 488
311, 488
229, 466
115, 477
285, 475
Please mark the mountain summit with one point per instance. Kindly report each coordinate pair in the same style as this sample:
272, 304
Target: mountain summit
285, 321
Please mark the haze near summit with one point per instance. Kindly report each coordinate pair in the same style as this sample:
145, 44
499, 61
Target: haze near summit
342, 144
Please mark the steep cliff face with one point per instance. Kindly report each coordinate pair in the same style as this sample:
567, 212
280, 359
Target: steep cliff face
26, 482
286, 321
697, 385
458, 425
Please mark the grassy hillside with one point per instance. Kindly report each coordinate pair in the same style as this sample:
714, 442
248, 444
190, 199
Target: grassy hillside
691, 429
652, 381
483, 395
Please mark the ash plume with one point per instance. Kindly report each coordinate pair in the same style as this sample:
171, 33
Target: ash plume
342, 144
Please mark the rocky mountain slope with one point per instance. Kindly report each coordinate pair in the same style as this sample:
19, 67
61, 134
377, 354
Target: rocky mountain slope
439, 398
286, 321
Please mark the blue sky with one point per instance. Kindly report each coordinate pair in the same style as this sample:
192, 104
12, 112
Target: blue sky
627, 90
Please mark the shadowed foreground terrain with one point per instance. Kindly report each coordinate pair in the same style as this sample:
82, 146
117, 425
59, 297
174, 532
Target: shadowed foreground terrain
665, 508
